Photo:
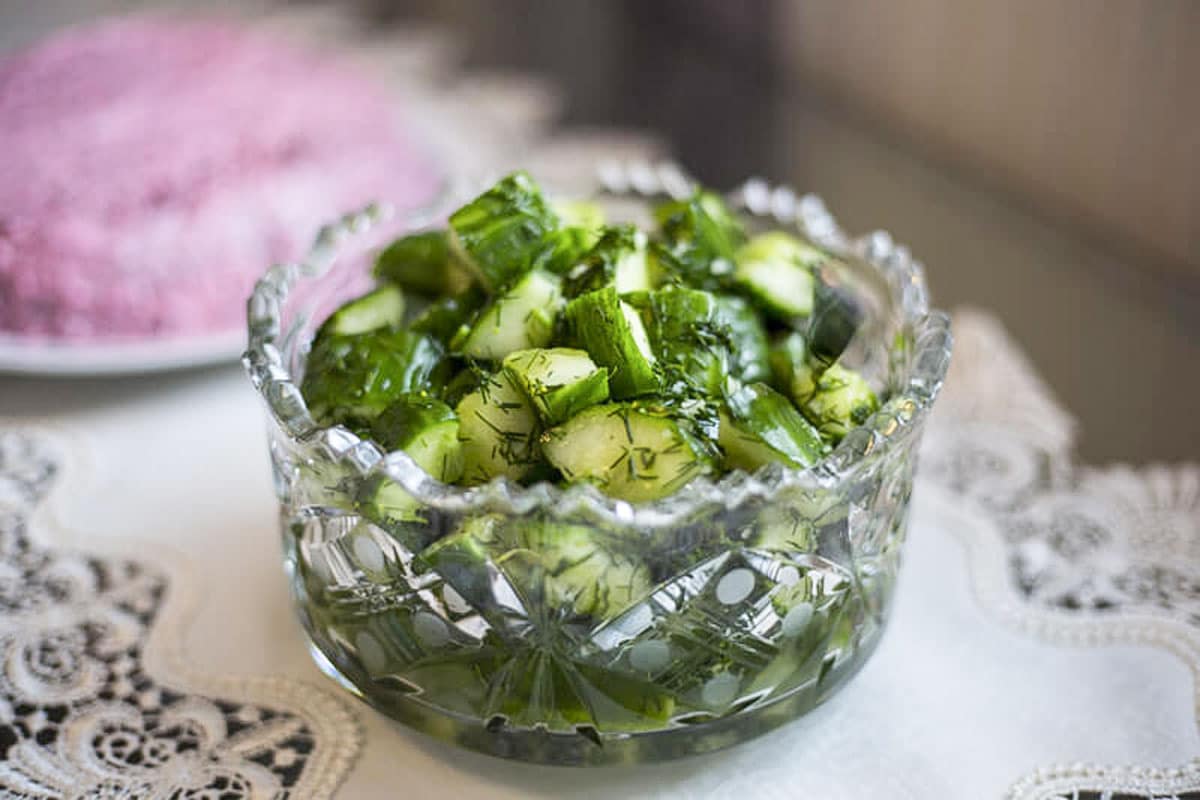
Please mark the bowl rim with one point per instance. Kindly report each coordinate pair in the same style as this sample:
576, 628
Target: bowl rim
897, 421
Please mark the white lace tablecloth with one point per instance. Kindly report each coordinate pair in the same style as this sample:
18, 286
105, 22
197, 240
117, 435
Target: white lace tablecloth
1045, 639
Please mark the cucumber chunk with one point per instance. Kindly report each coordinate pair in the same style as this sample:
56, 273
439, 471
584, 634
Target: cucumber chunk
581, 225
581, 567
618, 259
427, 430
613, 335
560, 381
631, 451
791, 370
421, 263
361, 375
580, 214
500, 233
445, 318
749, 348
836, 317
841, 401
563, 249
775, 269
760, 426
700, 239
521, 318
701, 338
380, 308
498, 428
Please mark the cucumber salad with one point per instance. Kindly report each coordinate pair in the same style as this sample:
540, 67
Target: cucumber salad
533, 340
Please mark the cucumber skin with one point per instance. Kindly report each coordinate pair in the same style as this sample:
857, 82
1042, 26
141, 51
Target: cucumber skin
421, 263
701, 338
598, 323
501, 233
364, 373
382, 307
444, 318
764, 426
700, 239
836, 318
426, 429
792, 373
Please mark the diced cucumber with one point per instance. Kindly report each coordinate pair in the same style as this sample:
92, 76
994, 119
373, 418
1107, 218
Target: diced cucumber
564, 248
791, 371
389, 505
427, 430
749, 349
477, 540
837, 315
521, 318
499, 234
613, 335
380, 308
618, 259
361, 375
466, 380
761, 426
559, 381
498, 429
421, 263
443, 319
581, 568
843, 400
632, 451
701, 338
775, 269
580, 225
579, 214
701, 237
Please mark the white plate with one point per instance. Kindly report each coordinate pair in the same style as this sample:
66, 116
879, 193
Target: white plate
22, 356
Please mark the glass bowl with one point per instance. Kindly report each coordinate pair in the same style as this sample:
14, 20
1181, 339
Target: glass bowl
720, 612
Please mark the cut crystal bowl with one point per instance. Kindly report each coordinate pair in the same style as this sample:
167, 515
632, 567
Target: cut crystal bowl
731, 607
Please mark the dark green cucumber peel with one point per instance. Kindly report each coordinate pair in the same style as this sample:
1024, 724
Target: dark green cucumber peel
500, 234
837, 316
613, 333
761, 426
421, 263
447, 317
364, 373
700, 238
426, 429
701, 338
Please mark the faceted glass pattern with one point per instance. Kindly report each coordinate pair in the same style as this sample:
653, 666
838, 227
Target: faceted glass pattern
723, 611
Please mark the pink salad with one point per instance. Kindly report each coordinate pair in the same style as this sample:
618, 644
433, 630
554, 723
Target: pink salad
152, 169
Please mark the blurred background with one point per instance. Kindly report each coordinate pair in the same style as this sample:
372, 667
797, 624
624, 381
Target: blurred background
1042, 158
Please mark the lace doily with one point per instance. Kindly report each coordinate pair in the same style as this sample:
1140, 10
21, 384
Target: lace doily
82, 711
1082, 556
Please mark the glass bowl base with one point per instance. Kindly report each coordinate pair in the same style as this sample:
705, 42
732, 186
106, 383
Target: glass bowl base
585, 746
